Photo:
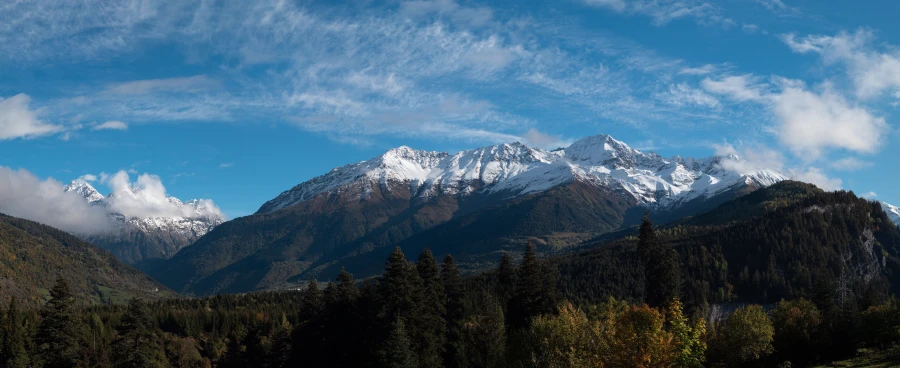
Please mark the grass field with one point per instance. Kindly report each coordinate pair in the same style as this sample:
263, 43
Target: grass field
870, 359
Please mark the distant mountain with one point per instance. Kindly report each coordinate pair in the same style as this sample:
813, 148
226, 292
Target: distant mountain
787, 241
133, 239
32, 256
472, 203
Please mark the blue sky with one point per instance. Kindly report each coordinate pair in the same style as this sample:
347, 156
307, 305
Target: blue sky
237, 101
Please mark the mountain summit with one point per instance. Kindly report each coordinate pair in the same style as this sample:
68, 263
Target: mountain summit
513, 170
147, 225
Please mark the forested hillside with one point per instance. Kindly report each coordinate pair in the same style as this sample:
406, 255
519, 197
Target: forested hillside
32, 256
790, 240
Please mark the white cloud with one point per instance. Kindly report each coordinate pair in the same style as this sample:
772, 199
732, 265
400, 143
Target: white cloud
739, 87
811, 122
870, 195
703, 70
683, 95
226, 165
851, 164
664, 11
24, 195
192, 84
147, 197
816, 177
538, 139
17, 120
873, 72
87, 178
473, 16
111, 125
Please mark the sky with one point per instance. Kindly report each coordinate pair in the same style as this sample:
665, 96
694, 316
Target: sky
237, 101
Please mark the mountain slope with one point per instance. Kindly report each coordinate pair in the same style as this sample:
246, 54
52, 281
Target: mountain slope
152, 236
474, 203
32, 256
893, 212
786, 241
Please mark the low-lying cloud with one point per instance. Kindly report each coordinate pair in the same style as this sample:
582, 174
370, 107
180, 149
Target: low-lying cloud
147, 197
26, 196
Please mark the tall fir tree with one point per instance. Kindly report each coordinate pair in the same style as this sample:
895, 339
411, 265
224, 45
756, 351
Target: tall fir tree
59, 334
661, 272
454, 355
280, 353
14, 354
398, 287
535, 291
397, 351
506, 278
313, 302
432, 325
138, 345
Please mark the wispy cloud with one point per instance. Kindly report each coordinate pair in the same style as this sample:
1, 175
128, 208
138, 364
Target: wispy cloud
111, 125
664, 11
192, 84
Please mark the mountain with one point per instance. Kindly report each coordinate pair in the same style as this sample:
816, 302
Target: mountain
154, 235
893, 212
786, 241
474, 202
32, 256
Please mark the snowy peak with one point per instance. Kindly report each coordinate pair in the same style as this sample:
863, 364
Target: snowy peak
892, 211
85, 190
515, 169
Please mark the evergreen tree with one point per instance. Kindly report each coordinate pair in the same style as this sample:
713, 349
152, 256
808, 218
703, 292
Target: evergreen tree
661, 274
397, 351
398, 287
138, 344
60, 329
535, 291
454, 355
313, 303
14, 354
432, 327
506, 278
280, 354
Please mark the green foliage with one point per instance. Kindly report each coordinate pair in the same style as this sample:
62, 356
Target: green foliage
138, 345
660, 267
745, 337
397, 351
798, 325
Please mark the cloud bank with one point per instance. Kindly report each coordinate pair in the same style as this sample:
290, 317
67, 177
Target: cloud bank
24, 195
17, 120
146, 197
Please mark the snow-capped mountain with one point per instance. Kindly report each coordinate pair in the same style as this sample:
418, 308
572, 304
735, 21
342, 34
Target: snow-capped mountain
149, 230
515, 169
892, 211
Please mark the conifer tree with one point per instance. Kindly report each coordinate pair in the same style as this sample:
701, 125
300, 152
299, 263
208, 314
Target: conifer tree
14, 354
397, 351
535, 291
432, 325
454, 355
280, 353
313, 302
506, 278
661, 274
138, 344
398, 287
60, 329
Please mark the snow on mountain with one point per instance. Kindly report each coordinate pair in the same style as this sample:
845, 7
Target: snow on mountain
892, 211
515, 169
142, 220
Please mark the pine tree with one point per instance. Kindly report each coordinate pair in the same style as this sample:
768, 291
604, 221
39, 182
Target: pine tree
398, 287
661, 274
280, 353
535, 293
14, 354
432, 327
313, 303
454, 355
60, 329
138, 344
397, 351
506, 278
